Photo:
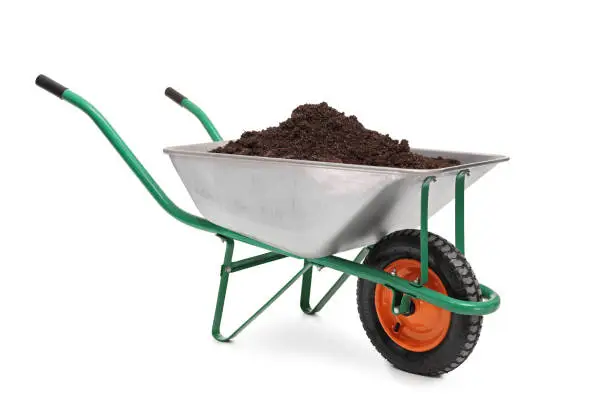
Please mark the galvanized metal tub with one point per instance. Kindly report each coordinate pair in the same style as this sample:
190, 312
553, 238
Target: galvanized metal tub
315, 209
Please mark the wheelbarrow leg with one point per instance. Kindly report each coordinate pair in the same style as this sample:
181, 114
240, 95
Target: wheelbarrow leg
307, 283
227, 260
226, 270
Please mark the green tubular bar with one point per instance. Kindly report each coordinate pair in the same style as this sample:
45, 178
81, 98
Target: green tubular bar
199, 113
489, 305
307, 283
400, 303
460, 210
254, 261
425, 230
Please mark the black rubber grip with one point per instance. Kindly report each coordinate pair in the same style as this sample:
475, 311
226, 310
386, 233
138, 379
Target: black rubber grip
50, 85
175, 95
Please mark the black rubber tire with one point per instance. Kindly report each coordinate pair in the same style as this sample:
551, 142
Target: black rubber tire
459, 281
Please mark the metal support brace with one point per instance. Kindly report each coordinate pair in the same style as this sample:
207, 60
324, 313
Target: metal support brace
401, 304
226, 269
255, 261
460, 210
307, 283
424, 230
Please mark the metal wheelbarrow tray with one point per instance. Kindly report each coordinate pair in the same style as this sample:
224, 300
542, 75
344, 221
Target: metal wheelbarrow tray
314, 209
418, 299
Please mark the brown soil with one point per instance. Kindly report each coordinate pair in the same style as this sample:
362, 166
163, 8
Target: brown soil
321, 133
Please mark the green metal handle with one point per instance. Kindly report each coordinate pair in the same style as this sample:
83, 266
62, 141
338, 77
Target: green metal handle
193, 108
147, 180
130, 159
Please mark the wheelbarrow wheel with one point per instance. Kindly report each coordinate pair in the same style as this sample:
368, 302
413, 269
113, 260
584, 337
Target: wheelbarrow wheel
425, 339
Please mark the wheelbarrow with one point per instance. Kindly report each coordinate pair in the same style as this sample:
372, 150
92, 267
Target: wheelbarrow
417, 296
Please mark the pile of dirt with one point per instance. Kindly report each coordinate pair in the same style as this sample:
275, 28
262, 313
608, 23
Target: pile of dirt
321, 133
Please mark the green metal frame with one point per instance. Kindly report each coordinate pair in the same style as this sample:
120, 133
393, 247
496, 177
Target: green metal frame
409, 290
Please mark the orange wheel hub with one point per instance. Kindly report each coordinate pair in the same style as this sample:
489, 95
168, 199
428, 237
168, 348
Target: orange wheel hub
427, 326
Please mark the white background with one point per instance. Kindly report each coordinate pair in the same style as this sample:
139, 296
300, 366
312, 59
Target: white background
107, 301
